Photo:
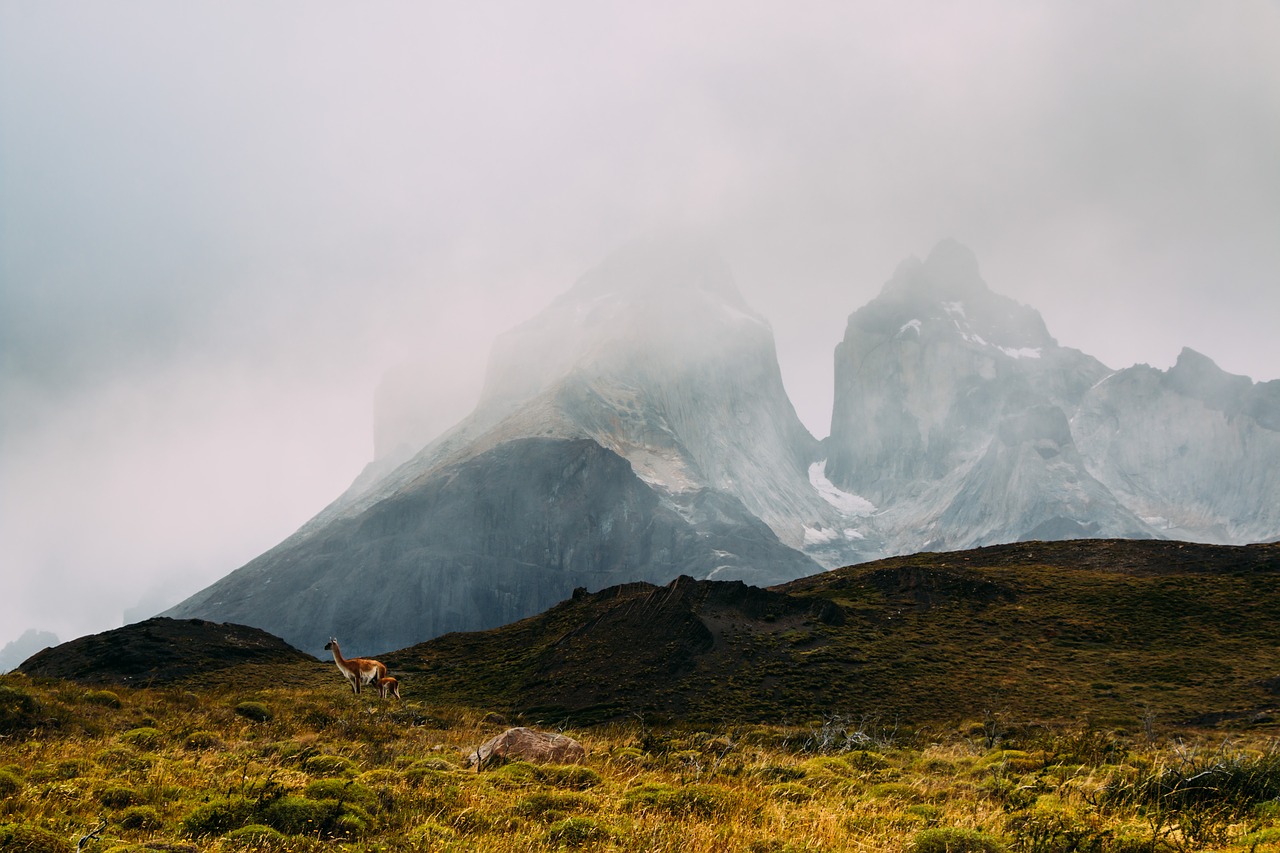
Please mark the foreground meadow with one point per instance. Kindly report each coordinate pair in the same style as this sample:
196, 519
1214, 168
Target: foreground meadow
308, 766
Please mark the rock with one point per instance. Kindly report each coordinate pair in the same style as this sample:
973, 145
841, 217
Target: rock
522, 744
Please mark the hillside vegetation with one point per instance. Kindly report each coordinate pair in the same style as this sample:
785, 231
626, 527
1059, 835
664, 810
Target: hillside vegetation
251, 765
1123, 633
1102, 697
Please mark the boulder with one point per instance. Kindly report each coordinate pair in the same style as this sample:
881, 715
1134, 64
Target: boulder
525, 744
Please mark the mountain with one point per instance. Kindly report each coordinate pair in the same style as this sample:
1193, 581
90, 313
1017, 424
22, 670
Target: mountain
1108, 630
961, 418
1193, 450
31, 641
637, 429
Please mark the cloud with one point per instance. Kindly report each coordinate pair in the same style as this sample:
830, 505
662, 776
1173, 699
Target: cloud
222, 223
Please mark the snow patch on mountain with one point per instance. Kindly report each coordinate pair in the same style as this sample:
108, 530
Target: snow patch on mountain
851, 505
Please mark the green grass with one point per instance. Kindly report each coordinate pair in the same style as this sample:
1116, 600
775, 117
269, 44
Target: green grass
179, 768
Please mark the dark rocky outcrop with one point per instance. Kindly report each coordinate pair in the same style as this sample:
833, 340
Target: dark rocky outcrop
160, 651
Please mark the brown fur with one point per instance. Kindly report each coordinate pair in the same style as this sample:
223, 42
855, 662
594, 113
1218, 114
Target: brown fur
357, 671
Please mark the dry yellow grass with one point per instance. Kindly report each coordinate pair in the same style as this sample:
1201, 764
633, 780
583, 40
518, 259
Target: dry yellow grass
314, 768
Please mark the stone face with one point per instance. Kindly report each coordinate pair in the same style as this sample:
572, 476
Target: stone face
484, 542
1194, 449
522, 744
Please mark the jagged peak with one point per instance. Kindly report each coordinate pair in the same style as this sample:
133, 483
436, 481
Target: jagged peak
947, 291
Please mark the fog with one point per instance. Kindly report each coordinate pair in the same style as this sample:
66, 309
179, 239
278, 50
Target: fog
222, 223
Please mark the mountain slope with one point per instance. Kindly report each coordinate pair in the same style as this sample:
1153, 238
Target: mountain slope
1109, 629
1192, 449
636, 430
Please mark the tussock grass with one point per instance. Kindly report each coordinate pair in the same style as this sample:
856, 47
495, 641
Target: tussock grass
185, 770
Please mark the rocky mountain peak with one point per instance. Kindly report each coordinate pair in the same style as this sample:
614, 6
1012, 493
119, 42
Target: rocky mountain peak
946, 296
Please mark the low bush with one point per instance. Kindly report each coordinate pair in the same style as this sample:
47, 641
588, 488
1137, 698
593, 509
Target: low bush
117, 797
32, 839
140, 817
217, 817
553, 805
143, 737
790, 792
255, 711
342, 790
105, 698
256, 835
202, 740
10, 784
955, 840
20, 712
575, 777
690, 800
576, 832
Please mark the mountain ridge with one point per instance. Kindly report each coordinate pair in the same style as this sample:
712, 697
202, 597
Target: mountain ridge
958, 422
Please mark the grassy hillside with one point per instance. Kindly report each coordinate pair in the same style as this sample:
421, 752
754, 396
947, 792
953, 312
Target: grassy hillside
246, 763
1112, 697
1128, 634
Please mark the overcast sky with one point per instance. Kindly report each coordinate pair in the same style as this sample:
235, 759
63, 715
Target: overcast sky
221, 222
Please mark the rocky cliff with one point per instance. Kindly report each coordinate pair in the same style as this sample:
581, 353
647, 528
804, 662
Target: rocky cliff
964, 420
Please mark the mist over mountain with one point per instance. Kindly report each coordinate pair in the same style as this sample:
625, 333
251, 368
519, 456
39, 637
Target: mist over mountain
637, 429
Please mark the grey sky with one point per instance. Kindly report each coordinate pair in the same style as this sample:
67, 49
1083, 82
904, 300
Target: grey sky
220, 223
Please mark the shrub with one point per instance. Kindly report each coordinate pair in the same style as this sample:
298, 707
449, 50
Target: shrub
70, 768
344, 791
119, 797
143, 737
955, 840
791, 792
32, 839
255, 835
553, 805
429, 836
575, 832
10, 784
19, 711
140, 817
380, 776
217, 817
425, 777
202, 740
255, 711
122, 758
105, 698
575, 777
699, 800
894, 791
295, 815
